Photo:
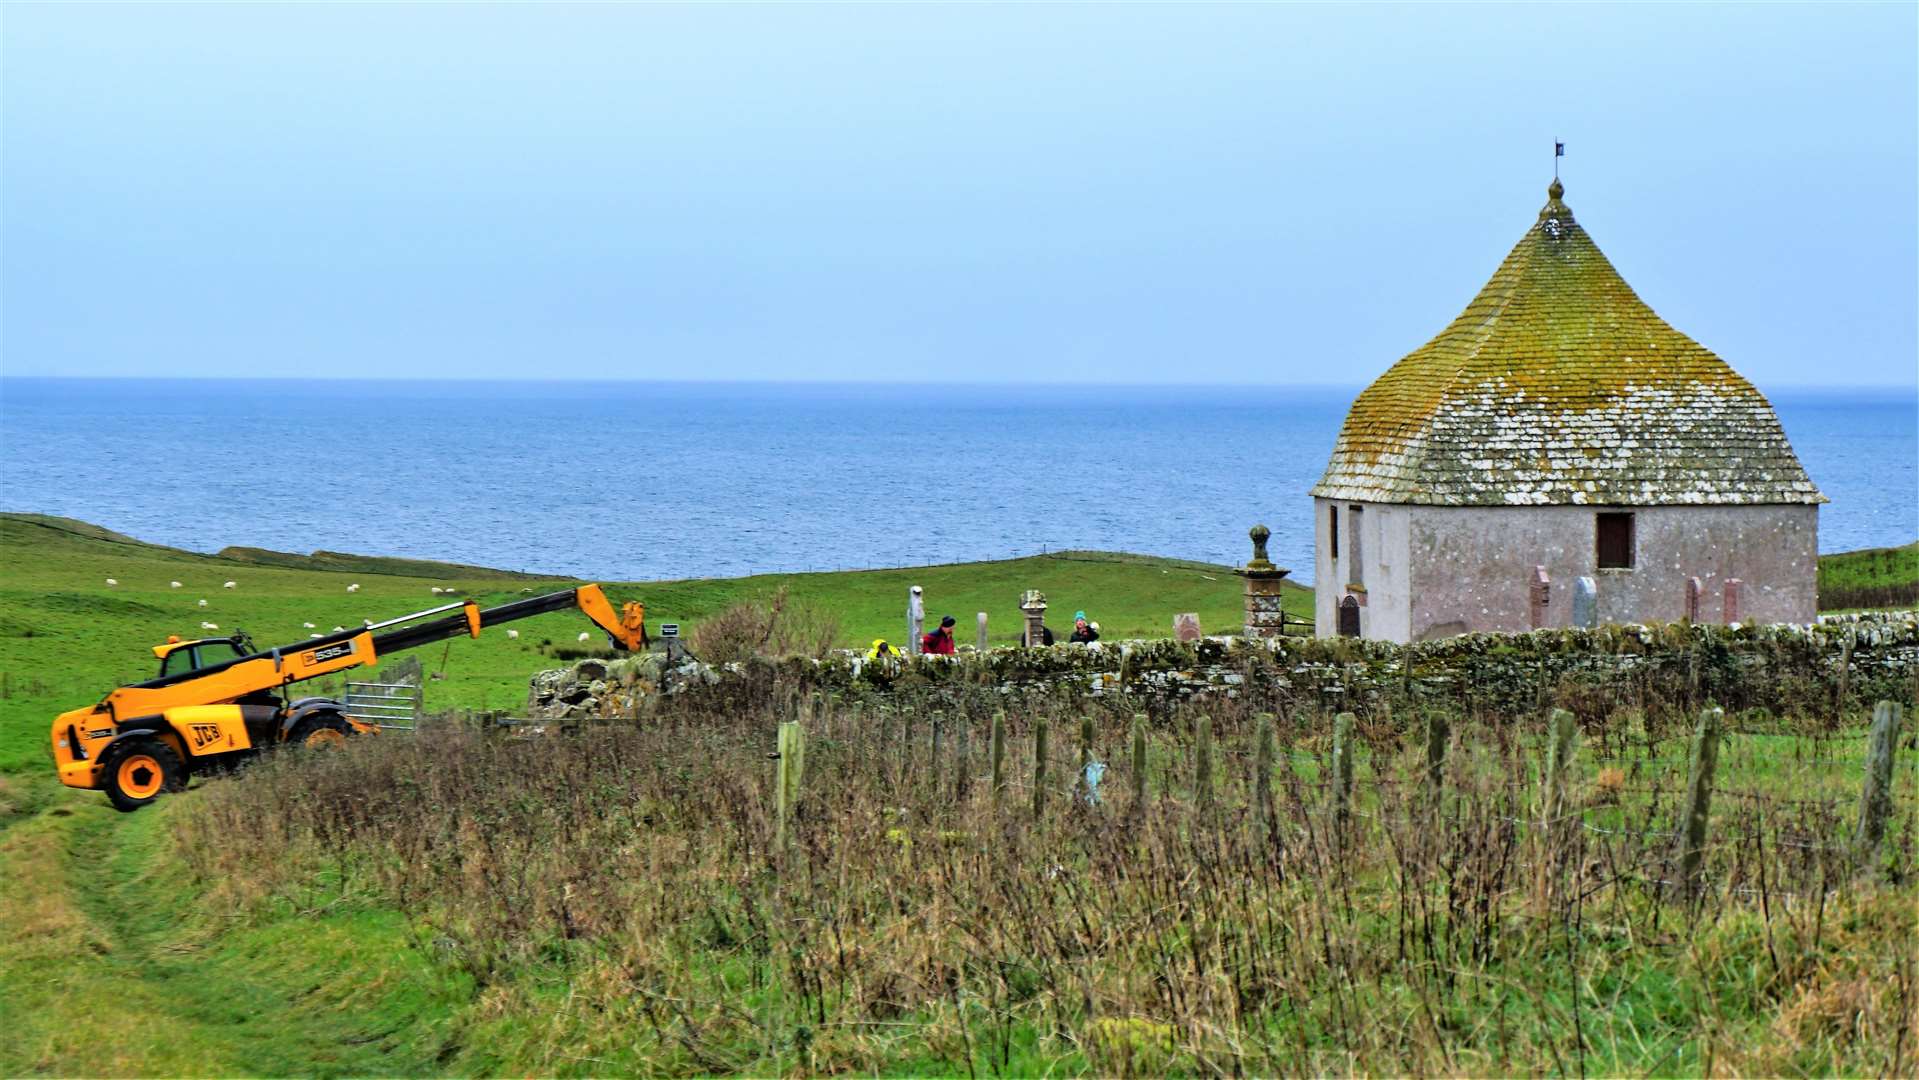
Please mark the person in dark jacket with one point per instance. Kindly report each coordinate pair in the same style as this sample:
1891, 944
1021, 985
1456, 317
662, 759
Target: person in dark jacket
1083, 631
939, 642
1045, 636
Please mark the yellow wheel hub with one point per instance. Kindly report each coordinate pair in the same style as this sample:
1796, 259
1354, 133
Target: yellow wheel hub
326, 737
140, 776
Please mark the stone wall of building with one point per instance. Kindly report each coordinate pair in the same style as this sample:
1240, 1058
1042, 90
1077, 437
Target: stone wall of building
1433, 571
1790, 669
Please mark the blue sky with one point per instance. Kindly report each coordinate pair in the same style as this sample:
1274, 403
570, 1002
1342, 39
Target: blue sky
934, 193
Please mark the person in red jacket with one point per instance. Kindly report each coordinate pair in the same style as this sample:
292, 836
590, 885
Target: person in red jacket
939, 642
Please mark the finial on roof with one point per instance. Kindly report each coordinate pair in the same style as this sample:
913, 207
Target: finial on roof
1557, 190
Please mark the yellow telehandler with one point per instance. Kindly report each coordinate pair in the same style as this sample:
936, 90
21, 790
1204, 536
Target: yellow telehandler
217, 699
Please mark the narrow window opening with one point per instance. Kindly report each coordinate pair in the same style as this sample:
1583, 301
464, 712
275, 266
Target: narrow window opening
1356, 573
1614, 541
1332, 526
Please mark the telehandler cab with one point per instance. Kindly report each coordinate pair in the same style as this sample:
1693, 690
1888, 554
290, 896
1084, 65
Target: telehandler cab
217, 700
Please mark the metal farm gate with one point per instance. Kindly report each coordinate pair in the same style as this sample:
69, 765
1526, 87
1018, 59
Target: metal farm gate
393, 706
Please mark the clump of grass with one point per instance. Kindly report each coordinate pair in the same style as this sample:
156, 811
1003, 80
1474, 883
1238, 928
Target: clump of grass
775, 626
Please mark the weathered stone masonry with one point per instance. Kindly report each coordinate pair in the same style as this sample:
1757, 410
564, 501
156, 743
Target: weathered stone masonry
1785, 668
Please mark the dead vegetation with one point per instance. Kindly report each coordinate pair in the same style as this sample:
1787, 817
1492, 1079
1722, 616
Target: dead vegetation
922, 919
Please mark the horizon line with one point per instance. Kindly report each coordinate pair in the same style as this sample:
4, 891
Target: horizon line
1912, 387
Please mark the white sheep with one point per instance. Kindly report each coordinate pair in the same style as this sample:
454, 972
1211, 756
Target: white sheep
355, 587
209, 626
111, 583
308, 625
203, 603
437, 590
512, 633
337, 629
584, 635
230, 584
313, 635
173, 584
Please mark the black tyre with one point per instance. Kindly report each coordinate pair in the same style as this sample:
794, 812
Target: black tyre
136, 772
321, 730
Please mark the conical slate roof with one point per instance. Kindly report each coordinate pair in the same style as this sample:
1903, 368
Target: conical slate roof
1558, 385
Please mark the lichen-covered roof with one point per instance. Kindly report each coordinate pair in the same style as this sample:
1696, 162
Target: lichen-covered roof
1558, 385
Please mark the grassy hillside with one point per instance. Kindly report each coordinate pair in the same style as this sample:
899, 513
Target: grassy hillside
67, 637
1875, 577
281, 956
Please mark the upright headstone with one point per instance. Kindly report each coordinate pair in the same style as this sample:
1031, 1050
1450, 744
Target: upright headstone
1033, 604
1186, 626
1734, 587
1538, 594
915, 619
1694, 589
1265, 617
1585, 603
981, 644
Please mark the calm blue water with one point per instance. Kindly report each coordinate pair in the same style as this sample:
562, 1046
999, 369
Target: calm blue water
640, 481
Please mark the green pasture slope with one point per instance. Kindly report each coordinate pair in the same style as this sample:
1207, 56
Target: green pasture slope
1873, 578
101, 920
114, 961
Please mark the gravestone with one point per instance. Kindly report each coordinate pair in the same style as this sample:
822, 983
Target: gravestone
1693, 591
981, 645
1734, 587
1186, 627
1033, 604
1349, 616
1585, 603
915, 619
1537, 596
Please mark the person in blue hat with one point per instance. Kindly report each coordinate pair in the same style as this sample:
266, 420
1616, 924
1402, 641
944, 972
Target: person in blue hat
1084, 633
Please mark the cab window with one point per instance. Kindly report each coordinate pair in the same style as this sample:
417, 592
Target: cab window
194, 657
217, 652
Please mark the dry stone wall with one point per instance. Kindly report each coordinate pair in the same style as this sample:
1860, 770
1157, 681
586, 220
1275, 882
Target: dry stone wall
1785, 668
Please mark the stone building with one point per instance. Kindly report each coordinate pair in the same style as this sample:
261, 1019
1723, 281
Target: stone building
1558, 429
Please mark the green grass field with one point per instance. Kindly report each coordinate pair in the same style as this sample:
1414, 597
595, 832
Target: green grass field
99, 912
1875, 577
220, 974
66, 637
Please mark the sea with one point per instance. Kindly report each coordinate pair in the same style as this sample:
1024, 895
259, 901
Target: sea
649, 481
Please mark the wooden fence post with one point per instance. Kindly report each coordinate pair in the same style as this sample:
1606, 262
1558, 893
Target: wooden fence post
1875, 798
1438, 734
933, 767
1083, 783
1203, 764
1039, 766
1705, 757
999, 755
963, 778
1139, 762
792, 764
1845, 676
1562, 741
1342, 765
1264, 759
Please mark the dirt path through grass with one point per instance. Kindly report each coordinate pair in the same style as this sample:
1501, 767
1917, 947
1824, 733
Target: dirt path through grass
114, 964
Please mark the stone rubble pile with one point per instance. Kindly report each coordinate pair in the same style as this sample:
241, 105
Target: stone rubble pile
594, 688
